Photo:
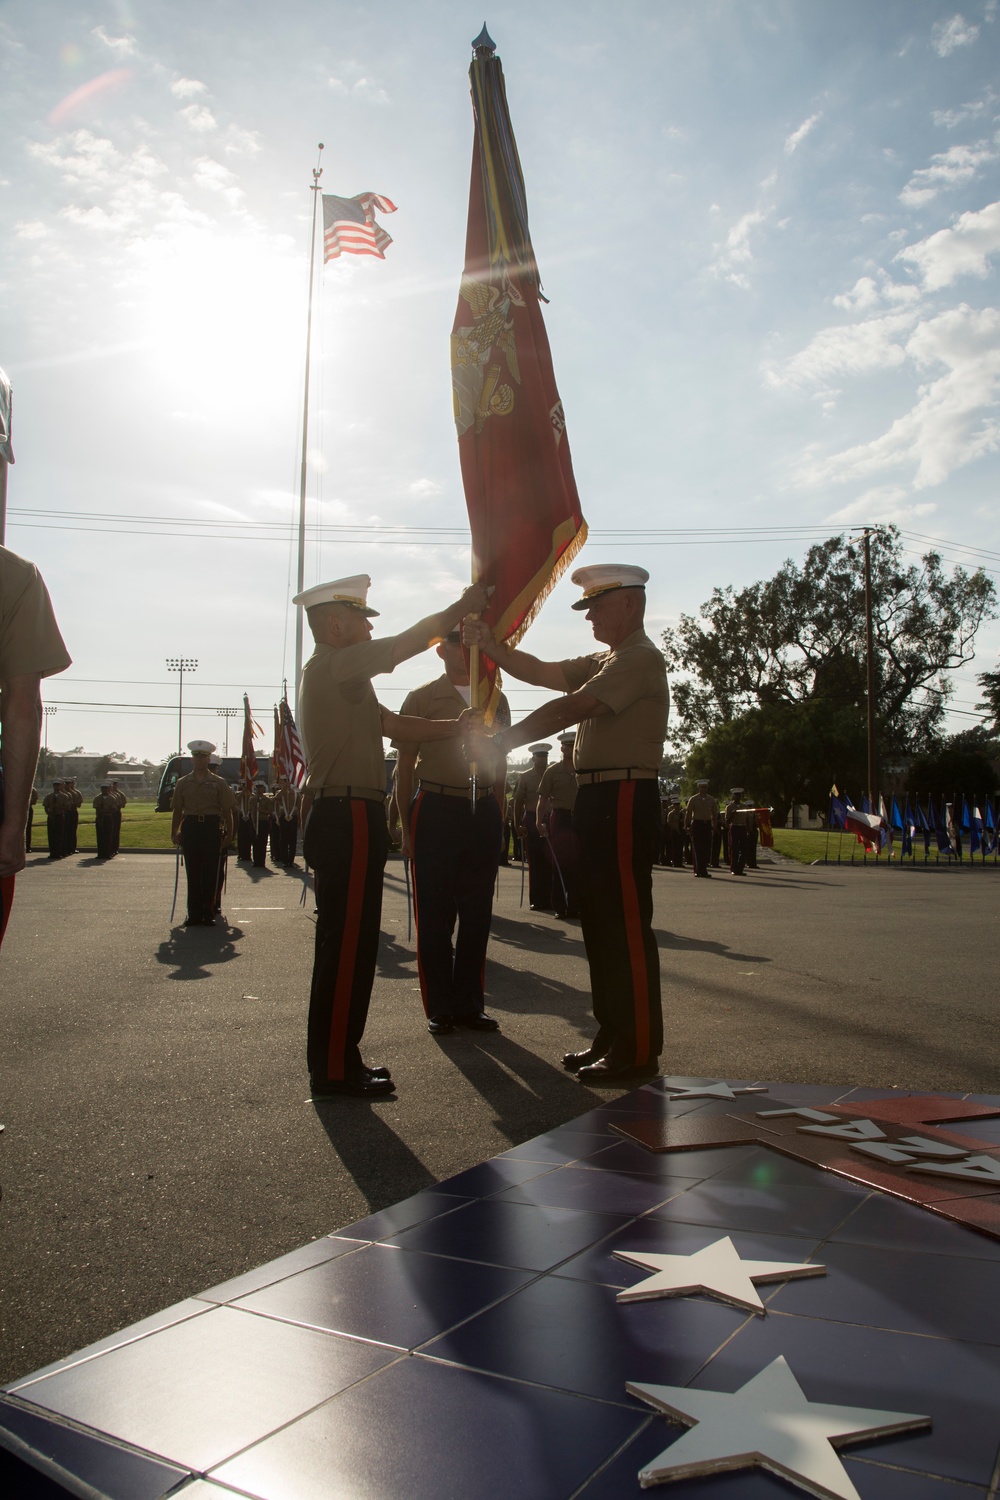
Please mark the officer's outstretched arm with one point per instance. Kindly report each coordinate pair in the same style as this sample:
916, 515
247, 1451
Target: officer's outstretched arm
519, 664
434, 628
552, 717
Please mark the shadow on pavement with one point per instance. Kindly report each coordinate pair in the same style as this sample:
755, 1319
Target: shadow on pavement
666, 939
189, 949
525, 1091
381, 1165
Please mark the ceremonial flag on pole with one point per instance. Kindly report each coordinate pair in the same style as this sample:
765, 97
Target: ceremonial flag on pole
939, 822
277, 768
989, 836
886, 835
248, 759
909, 828
975, 830
867, 826
838, 813
350, 228
293, 760
524, 512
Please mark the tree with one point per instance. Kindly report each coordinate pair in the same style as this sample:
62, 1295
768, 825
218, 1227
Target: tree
799, 637
784, 753
953, 771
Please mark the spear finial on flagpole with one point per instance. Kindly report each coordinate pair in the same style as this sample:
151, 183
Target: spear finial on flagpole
484, 44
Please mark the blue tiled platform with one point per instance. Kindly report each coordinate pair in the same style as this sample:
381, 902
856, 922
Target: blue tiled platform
467, 1342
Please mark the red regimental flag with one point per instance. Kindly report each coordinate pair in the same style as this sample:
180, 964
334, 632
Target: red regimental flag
524, 511
248, 759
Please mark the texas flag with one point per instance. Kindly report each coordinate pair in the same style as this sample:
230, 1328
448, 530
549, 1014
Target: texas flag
867, 826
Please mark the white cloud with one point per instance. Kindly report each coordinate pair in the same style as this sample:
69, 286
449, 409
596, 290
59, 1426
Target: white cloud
886, 502
974, 110
798, 136
956, 418
121, 46
218, 179
364, 89
947, 35
239, 142
422, 489
187, 88
736, 253
948, 169
199, 118
963, 250
851, 349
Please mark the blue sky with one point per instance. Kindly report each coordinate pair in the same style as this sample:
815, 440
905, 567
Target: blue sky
768, 232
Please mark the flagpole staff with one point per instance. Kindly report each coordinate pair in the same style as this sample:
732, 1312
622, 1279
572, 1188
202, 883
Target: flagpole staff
301, 575
473, 703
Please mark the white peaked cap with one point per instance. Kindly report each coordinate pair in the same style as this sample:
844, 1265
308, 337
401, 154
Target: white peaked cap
567, 737
605, 576
541, 749
200, 747
702, 781
734, 791
352, 591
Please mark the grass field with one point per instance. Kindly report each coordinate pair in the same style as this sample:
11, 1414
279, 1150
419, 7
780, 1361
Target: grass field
142, 828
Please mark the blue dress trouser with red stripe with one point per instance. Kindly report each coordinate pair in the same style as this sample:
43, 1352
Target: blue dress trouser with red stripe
618, 825
455, 855
346, 843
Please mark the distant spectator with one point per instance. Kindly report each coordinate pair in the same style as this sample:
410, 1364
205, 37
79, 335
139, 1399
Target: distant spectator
30, 648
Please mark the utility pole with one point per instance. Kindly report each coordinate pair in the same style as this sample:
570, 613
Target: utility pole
227, 714
181, 664
870, 663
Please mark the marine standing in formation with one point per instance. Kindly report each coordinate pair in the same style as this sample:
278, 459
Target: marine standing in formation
106, 813
674, 834
343, 808
285, 825
525, 821
58, 806
454, 849
259, 814
72, 824
701, 819
244, 829
620, 700
554, 821
204, 813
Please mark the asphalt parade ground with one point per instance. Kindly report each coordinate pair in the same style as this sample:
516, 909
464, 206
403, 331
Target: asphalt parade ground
159, 1137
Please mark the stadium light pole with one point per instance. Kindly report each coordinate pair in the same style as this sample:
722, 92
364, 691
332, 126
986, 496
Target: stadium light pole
227, 714
181, 664
49, 710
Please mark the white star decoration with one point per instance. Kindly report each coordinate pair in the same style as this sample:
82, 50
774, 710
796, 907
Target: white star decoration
718, 1090
717, 1270
767, 1424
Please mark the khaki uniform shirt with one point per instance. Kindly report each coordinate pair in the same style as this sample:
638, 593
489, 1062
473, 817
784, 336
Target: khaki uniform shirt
674, 821
285, 803
701, 808
30, 642
558, 784
632, 681
119, 796
212, 797
105, 803
442, 762
339, 715
526, 789
260, 808
58, 802
76, 795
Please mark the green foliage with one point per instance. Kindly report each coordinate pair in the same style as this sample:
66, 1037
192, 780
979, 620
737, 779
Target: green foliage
953, 770
799, 637
784, 753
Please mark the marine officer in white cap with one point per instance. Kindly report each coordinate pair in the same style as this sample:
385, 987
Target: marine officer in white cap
620, 700
554, 820
701, 819
343, 808
526, 823
204, 819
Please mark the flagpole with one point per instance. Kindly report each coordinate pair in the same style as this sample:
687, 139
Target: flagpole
301, 576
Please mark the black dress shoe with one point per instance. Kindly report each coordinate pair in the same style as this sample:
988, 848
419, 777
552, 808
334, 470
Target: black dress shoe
482, 1022
377, 1073
362, 1088
440, 1025
574, 1061
607, 1071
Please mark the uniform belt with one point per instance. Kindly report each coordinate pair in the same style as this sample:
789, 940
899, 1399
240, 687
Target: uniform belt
203, 817
454, 791
368, 793
629, 773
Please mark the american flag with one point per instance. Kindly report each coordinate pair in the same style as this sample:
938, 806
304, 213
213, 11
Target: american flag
293, 761
248, 760
349, 226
